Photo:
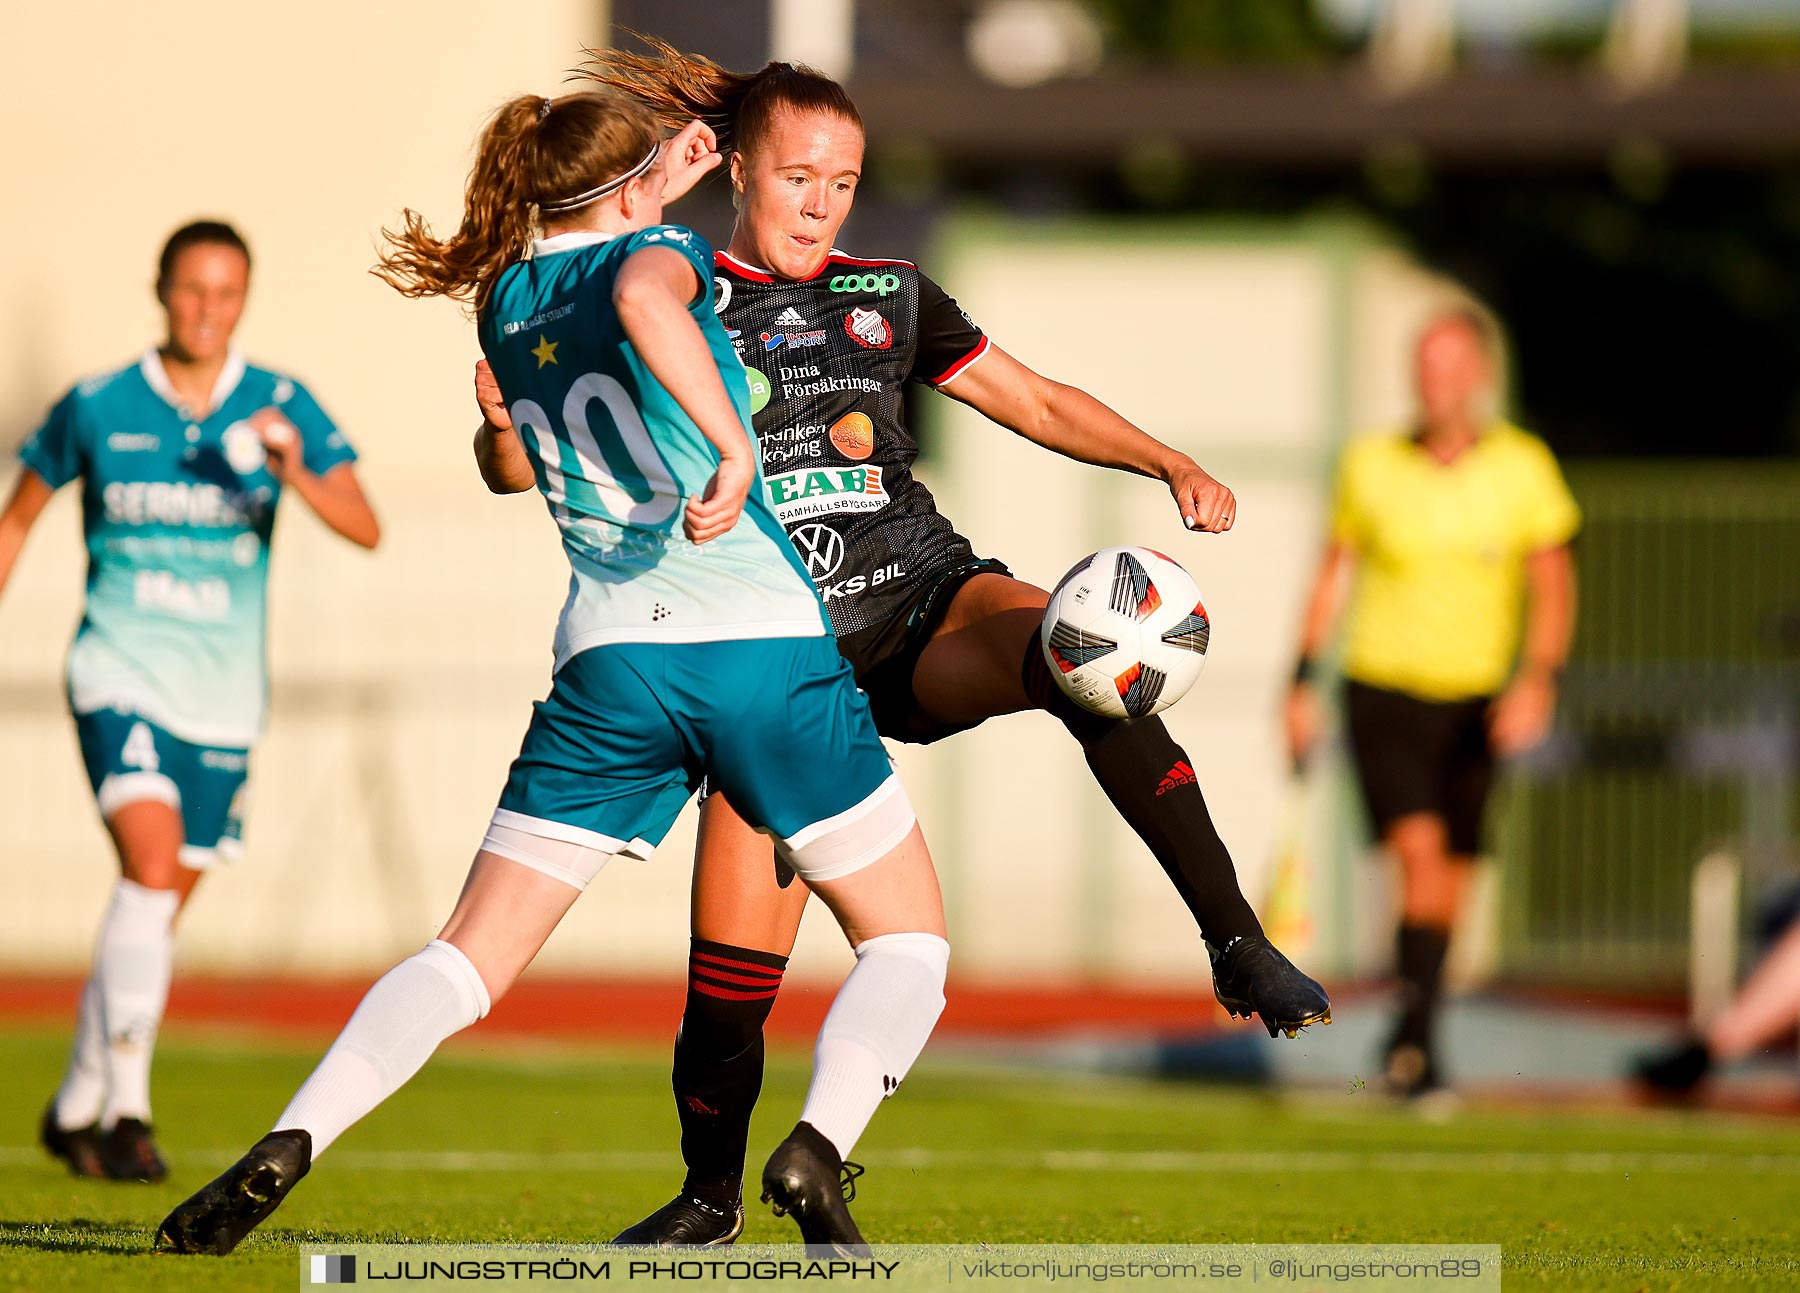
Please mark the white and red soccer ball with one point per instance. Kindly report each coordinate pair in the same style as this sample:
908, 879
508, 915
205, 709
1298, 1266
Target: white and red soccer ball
1125, 632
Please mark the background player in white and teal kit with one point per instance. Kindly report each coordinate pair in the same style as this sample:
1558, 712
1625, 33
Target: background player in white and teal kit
692, 645
182, 456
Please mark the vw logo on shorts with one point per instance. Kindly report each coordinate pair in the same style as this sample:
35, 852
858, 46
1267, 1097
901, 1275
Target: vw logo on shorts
821, 548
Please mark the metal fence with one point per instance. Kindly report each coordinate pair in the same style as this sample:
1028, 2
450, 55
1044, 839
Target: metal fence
1679, 731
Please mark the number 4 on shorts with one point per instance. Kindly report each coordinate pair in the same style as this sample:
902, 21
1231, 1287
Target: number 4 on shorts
140, 749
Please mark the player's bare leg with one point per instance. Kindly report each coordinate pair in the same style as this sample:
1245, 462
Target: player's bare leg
1767, 1005
1763, 1010
1432, 882
505, 913
985, 660
746, 910
99, 1121
969, 671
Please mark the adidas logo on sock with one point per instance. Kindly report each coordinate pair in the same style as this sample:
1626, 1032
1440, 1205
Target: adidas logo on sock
1179, 775
789, 318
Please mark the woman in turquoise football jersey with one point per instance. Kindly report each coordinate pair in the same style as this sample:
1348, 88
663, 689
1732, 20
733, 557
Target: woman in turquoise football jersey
183, 456
692, 645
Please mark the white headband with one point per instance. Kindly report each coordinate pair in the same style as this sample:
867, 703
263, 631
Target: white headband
600, 191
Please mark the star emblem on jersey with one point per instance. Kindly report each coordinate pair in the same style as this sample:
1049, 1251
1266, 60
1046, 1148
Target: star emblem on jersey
868, 329
821, 550
789, 318
545, 350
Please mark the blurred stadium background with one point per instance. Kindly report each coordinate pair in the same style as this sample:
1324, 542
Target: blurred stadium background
1226, 217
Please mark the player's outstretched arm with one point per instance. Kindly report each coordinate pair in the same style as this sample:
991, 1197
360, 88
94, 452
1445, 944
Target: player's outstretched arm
652, 295
336, 496
505, 468
30, 492
1075, 424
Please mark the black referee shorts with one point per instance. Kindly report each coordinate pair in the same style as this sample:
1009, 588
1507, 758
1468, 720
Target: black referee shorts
1421, 756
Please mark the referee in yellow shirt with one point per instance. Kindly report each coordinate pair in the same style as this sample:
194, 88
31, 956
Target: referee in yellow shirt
1464, 603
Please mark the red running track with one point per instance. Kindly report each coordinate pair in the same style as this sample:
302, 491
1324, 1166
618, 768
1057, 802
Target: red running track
634, 1009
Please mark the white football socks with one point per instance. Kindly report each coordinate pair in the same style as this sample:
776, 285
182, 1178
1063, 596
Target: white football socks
399, 1023
132, 964
877, 1025
82, 1095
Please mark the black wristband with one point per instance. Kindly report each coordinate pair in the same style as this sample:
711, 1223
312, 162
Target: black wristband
1305, 669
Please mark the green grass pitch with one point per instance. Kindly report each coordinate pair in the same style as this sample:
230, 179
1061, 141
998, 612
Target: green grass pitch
502, 1142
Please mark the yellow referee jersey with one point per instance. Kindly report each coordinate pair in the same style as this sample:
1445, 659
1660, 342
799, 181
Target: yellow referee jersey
1439, 599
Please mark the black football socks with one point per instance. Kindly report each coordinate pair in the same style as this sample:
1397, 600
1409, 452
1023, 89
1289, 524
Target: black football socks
1152, 784
718, 1068
1421, 950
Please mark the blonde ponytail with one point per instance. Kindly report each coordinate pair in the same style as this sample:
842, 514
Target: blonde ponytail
535, 152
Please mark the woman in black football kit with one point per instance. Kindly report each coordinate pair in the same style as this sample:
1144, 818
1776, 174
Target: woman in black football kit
940, 639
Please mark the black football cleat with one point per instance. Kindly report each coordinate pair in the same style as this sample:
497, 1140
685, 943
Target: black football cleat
806, 1179
128, 1153
1251, 977
686, 1221
216, 1219
1675, 1072
78, 1147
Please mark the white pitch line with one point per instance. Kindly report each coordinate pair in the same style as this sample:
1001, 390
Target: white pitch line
1173, 1162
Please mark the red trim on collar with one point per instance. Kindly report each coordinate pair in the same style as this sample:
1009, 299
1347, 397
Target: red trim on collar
842, 259
725, 260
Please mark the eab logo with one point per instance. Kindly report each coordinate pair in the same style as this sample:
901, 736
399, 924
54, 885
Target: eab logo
802, 495
880, 284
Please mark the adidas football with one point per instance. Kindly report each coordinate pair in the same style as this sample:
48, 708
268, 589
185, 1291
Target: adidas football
1125, 633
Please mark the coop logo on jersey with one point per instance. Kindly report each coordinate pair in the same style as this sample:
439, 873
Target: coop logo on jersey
821, 550
880, 284
819, 491
867, 328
